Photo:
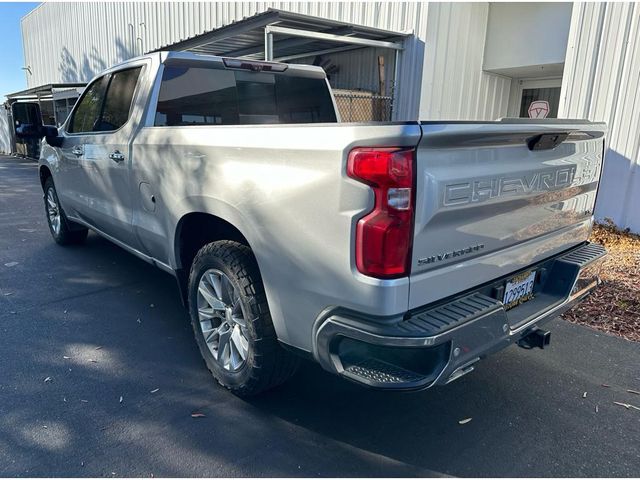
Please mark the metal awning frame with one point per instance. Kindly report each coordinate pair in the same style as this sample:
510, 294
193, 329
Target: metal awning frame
270, 30
42, 91
352, 42
273, 21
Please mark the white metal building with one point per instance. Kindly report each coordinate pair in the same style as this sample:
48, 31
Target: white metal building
462, 61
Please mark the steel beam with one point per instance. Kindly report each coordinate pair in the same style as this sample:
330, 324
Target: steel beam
282, 44
365, 42
268, 45
313, 53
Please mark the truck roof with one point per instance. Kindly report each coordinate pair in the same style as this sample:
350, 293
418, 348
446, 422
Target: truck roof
167, 56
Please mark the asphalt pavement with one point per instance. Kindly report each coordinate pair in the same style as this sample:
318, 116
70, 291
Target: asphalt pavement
99, 376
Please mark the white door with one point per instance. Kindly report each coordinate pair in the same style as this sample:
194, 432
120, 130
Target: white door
536, 98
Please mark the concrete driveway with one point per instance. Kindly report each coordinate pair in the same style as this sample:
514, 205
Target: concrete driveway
99, 375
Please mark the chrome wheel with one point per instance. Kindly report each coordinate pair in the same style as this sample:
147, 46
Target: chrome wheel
53, 212
222, 321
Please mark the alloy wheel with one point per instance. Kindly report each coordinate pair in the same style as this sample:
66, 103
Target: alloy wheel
53, 212
222, 320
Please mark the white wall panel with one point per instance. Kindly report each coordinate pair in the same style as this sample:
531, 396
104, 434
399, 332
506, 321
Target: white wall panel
602, 82
454, 86
536, 34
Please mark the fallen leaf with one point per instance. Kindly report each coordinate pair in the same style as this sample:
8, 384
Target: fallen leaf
627, 405
154, 390
197, 415
11, 264
48, 379
466, 420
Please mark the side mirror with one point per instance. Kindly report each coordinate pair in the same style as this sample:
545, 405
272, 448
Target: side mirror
50, 134
27, 130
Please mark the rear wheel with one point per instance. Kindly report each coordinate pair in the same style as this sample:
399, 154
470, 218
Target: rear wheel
232, 323
63, 231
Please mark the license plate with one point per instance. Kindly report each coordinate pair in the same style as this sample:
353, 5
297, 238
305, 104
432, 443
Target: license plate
519, 289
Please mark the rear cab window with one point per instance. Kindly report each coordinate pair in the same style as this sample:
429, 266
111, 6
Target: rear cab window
196, 95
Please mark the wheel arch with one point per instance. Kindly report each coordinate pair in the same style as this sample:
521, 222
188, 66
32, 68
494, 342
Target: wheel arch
193, 231
44, 172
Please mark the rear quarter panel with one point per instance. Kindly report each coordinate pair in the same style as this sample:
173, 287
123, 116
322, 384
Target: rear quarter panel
285, 188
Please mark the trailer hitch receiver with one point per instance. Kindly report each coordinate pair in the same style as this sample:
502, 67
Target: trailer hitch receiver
535, 338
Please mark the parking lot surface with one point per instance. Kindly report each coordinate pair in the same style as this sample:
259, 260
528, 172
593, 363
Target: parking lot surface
99, 376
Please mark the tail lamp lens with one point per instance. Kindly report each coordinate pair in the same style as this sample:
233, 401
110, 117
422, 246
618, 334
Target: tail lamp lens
383, 236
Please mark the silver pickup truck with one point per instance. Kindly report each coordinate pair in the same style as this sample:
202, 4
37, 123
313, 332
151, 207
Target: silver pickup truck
396, 255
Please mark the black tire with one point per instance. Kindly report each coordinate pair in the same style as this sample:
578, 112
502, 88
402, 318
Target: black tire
267, 363
68, 232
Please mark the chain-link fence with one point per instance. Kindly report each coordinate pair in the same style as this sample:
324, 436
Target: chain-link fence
362, 106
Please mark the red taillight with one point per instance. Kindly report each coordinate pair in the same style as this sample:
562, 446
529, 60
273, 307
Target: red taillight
383, 236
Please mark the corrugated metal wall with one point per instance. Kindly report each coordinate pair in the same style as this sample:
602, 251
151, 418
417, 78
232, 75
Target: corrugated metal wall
602, 82
96, 35
66, 42
454, 86
5, 129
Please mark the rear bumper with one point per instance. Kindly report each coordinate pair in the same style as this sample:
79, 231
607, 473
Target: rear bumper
438, 343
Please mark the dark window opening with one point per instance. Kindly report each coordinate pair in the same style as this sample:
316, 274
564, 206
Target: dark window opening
550, 95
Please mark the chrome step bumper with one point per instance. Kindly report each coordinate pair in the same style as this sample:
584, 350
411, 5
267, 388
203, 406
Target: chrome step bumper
439, 343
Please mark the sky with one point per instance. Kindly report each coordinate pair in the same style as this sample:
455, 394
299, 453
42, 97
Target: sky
12, 78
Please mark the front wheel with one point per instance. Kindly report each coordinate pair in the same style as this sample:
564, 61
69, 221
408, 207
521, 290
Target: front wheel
232, 323
59, 226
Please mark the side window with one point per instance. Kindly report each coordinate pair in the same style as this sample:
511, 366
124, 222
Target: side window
87, 112
197, 96
209, 96
117, 104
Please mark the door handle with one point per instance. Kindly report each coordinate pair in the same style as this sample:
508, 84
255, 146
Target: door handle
77, 151
116, 156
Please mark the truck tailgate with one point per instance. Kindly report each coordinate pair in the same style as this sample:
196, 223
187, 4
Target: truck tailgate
493, 197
